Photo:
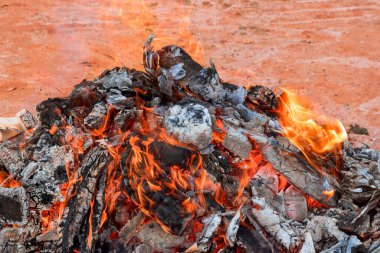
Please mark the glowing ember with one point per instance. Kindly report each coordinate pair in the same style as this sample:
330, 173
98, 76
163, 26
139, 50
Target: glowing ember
7, 181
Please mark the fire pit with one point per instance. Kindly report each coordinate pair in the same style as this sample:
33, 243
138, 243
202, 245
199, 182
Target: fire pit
174, 159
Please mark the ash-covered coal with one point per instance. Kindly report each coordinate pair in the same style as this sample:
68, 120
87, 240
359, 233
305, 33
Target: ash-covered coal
174, 159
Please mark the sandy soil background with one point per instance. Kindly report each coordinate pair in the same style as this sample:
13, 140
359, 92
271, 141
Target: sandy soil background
328, 51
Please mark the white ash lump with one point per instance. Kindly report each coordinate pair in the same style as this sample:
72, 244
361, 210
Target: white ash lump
190, 124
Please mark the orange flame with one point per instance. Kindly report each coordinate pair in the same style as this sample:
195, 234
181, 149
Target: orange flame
314, 134
7, 181
307, 130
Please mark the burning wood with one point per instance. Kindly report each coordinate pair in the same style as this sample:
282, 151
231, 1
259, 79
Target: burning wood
176, 159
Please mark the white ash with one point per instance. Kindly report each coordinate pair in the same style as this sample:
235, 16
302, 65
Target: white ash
177, 71
43, 177
308, 245
274, 224
265, 185
231, 120
211, 224
143, 248
117, 78
323, 227
237, 96
236, 142
232, 229
249, 115
176, 51
190, 124
12, 239
45, 169
362, 176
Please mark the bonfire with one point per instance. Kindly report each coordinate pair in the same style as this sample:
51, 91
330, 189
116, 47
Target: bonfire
175, 159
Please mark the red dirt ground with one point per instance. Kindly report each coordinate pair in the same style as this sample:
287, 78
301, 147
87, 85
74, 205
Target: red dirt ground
328, 51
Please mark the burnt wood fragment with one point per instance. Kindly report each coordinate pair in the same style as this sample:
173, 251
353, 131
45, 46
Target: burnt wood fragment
14, 206
78, 206
298, 173
262, 98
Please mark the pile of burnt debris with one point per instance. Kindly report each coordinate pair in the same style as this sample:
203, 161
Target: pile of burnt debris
173, 159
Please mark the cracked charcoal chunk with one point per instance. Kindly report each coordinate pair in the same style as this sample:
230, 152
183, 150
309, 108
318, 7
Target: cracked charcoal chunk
125, 119
97, 116
11, 158
84, 94
168, 155
262, 97
190, 124
251, 241
166, 82
118, 101
207, 84
298, 174
172, 55
237, 143
76, 209
14, 206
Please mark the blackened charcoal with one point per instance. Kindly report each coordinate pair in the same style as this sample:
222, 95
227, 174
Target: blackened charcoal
262, 97
166, 82
251, 241
74, 214
84, 94
230, 185
97, 116
168, 155
14, 206
125, 119
171, 213
49, 111
207, 85
172, 55
217, 164
43, 195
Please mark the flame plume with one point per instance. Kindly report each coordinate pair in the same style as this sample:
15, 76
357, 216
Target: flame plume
314, 134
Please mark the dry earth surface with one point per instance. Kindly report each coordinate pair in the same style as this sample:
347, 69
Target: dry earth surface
328, 51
